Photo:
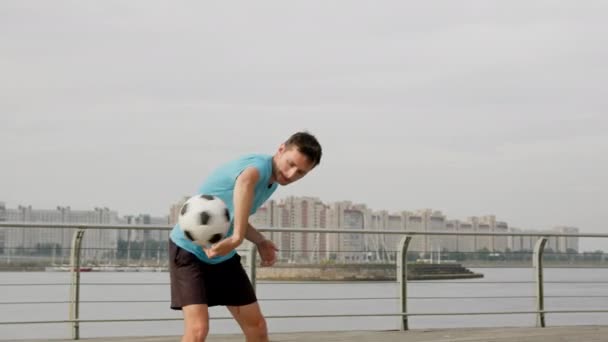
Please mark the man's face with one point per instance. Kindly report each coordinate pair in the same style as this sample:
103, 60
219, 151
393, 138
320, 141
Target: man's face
290, 165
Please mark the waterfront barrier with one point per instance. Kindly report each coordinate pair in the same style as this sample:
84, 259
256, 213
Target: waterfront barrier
402, 267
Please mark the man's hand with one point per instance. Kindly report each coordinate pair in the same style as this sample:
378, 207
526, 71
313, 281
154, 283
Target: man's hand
267, 251
222, 248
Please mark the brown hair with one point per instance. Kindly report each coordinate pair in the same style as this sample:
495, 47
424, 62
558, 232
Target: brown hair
307, 144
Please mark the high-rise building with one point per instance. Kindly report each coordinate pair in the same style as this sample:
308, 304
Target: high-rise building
302, 212
435, 222
466, 243
395, 222
264, 216
450, 242
414, 222
515, 243
488, 224
375, 244
175, 209
2, 230
142, 235
501, 242
566, 244
96, 242
347, 247
556, 244
426, 220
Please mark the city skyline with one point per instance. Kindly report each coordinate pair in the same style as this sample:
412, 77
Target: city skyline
373, 214
292, 212
172, 206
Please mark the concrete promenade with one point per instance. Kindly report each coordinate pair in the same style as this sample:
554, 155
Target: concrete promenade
551, 334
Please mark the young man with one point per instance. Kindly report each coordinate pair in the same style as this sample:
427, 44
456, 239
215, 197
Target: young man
204, 277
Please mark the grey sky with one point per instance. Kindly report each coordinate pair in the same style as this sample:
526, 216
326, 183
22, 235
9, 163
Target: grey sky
471, 108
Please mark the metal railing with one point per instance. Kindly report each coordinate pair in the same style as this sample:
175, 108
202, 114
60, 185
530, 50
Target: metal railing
80, 230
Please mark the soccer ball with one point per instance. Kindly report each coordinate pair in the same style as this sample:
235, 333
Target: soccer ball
204, 219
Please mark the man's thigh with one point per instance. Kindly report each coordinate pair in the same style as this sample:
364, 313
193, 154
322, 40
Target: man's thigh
248, 316
187, 278
196, 317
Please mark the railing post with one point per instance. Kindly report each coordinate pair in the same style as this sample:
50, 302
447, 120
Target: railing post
402, 280
75, 284
251, 264
540, 295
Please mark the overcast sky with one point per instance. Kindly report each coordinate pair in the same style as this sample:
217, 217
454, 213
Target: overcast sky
467, 107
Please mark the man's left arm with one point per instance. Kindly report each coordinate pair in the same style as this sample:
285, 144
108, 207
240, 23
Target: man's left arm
254, 235
266, 248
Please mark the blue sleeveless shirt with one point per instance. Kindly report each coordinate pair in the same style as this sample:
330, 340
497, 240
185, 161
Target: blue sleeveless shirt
221, 183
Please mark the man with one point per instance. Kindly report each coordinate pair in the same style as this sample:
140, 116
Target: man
204, 277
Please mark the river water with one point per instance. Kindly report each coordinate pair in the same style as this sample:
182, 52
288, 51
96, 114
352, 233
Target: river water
280, 298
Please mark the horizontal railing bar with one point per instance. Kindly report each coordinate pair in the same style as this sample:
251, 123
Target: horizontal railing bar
166, 301
439, 297
413, 282
96, 284
576, 311
513, 282
37, 284
508, 297
442, 313
101, 320
313, 298
315, 316
85, 301
309, 299
318, 282
302, 299
6, 224
508, 282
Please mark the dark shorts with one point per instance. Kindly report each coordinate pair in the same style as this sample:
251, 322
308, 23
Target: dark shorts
196, 282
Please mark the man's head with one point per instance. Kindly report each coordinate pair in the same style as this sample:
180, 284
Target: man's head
297, 156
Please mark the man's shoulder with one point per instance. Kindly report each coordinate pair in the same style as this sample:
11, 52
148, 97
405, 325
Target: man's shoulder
251, 157
243, 161
229, 171
262, 162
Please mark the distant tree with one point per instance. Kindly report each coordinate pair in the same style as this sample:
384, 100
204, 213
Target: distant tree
571, 251
412, 256
483, 253
458, 256
45, 249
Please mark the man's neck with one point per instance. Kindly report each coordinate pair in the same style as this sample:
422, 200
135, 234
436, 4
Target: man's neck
273, 173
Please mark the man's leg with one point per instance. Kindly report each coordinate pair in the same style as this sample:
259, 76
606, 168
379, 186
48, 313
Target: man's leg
196, 323
251, 320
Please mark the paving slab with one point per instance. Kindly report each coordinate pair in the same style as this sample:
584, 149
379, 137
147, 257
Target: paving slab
550, 334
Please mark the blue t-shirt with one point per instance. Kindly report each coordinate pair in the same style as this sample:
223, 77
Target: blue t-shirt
221, 183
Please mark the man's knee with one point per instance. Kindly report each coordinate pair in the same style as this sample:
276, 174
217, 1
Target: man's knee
196, 322
257, 328
196, 332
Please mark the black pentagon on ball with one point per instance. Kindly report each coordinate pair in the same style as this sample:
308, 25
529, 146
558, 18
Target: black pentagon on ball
205, 217
215, 238
184, 208
207, 197
187, 233
227, 213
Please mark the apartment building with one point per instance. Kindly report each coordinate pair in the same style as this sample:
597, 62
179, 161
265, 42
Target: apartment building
95, 242
2, 230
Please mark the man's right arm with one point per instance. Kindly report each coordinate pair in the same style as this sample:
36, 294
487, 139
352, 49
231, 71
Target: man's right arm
242, 201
